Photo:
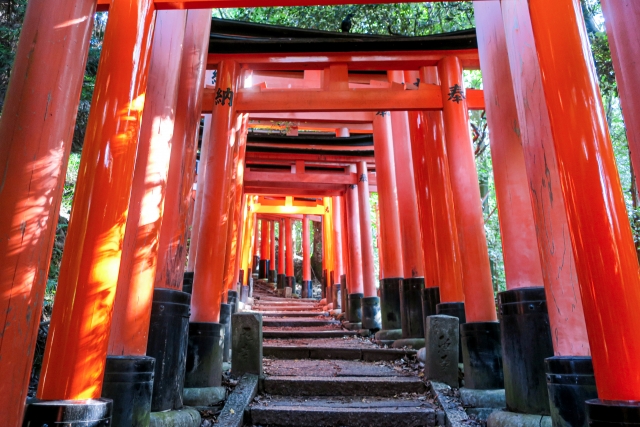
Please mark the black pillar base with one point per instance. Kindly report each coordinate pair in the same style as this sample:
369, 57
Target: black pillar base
307, 290
355, 308
613, 413
69, 413
232, 299
291, 283
256, 264
272, 276
325, 278
482, 355
411, 315
167, 343
282, 281
187, 282
390, 303
244, 294
571, 383
128, 382
225, 320
264, 269
371, 318
455, 309
337, 296
430, 299
204, 357
526, 342
241, 276
344, 293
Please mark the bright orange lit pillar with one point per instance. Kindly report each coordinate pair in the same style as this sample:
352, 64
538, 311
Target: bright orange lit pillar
306, 258
336, 220
621, 19
606, 260
132, 307
75, 355
566, 316
289, 249
34, 156
172, 246
247, 237
478, 287
202, 176
355, 282
208, 280
240, 205
366, 238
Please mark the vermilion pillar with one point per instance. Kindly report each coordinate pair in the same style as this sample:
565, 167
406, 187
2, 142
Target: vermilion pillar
172, 246
272, 250
132, 308
208, 281
336, 221
366, 239
76, 351
240, 204
265, 248
606, 261
562, 290
281, 256
34, 157
306, 250
412, 256
438, 181
621, 19
478, 287
354, 253
327, 246
289, 247
202, 176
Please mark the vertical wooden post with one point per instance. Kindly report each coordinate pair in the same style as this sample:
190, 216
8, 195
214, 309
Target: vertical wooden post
355, 279
478, 286
289, 246
73, 364
34, 155
366, 239
306, 250
336, 221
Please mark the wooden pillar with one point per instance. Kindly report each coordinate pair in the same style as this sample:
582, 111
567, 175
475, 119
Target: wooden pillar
272, 248
172, 246
208, 280
621, 19
73, 365
389, 226
289, 246
281, 245
606, 260
306, 250
559, 274
336, 221
240, 202
354, 254
478, 286
132, 307
366, 239
264, 240
34, 155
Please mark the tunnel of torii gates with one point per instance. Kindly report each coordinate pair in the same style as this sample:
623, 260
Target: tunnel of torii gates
388, 114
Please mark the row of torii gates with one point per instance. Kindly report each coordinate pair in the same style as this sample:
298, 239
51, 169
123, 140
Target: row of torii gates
562, 213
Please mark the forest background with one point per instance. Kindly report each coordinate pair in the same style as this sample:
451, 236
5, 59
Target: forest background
406, 19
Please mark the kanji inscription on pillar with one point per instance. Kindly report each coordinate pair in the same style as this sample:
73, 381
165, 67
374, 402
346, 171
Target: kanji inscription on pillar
223, 96
363, 178
456, 94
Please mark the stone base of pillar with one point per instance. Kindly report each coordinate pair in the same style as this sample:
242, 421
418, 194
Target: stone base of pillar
186, 417
352, 326
571, 383
482, 355
390, 303
187, 282
307, 289
232, 300
442, 339
354, 315
204, 356
263, 269
412, 318
282, 281
91, 412
481, 403
526, 342
204, 397
337, 296
505, 419
225, 320
607, 413
272, 276
416, 343
455, 309
244, 294
167, 343
371, 313
388, 336
128, 382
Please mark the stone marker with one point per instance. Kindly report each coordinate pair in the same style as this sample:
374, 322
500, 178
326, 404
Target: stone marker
246, 354
287, 292
442, 337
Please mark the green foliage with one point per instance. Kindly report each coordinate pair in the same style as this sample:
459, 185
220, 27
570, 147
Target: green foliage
11, 17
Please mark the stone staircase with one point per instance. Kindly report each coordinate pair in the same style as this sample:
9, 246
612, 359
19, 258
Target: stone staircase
319, 374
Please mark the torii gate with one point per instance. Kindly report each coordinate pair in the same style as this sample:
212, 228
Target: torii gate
35, 152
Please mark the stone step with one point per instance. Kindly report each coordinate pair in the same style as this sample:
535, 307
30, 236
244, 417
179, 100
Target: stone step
293, 313
340, 411
298, 322
343, 386
275, 298
269, 308
325, 352
308, 334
